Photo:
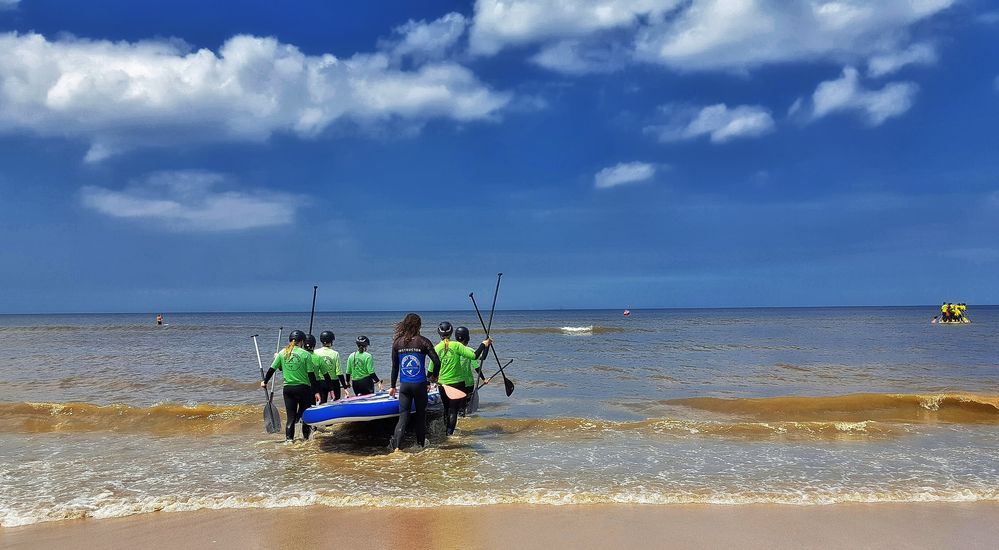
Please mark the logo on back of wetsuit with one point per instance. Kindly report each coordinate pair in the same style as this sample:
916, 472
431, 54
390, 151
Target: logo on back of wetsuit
411, 368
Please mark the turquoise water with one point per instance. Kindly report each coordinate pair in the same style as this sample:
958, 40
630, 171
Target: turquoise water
109, 415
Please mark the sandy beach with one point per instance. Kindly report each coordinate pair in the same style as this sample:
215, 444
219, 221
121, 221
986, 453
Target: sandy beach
916, 525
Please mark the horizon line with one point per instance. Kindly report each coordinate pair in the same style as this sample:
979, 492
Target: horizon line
513, 310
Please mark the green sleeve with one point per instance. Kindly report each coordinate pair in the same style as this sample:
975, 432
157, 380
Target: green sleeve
350, 366
276, 365
464, 351
336, 366
430, 364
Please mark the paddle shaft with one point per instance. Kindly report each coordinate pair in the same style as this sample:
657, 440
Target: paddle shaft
260, 365
489, 327
485, 328
315, 289
492, 310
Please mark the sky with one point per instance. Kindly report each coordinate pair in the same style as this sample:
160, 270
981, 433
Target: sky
204, 156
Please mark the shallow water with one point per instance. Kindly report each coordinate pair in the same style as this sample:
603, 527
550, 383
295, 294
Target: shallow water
109, 415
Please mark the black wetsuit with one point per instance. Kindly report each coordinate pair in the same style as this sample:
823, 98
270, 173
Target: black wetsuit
409, 367
453, 407
297, 398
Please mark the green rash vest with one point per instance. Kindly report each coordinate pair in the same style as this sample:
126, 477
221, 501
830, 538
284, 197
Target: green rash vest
360, 365
468, 367
452, 367
329, 362
296, 367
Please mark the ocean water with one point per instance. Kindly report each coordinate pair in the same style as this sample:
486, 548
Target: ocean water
109, 415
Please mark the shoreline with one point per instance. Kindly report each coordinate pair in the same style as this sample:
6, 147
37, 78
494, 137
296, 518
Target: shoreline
853, 525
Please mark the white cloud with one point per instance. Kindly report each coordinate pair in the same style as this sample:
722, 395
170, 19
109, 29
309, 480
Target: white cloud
574, 57
501, 23
703, 34
120, 95
888, 63
422, 40
623, 174
193, 201
8, 4
717, 121
846, 94
741, 34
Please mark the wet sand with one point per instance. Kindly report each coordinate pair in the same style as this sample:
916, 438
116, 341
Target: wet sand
916, 525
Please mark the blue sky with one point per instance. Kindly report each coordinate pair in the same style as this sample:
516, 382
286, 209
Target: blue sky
603, 153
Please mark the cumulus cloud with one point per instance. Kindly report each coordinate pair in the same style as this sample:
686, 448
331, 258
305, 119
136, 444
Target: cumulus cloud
192, 200
704, 34
8, 4
422, 40
501, 23
847, 94
888, 63
717, 121
574, 57
119, 95
623, 173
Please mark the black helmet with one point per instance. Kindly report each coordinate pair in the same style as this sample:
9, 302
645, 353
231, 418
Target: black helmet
445, 329
327, 337
461, 334
362, 341
310, 342
296, 336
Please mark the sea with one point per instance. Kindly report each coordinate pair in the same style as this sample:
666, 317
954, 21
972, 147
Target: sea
110, 415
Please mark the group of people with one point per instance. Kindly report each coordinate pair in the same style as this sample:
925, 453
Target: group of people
315, 376
952, 313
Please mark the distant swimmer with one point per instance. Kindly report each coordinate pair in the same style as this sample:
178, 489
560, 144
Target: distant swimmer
410, 351
159, 319
361, 369
452, 371
301, 388
627, 312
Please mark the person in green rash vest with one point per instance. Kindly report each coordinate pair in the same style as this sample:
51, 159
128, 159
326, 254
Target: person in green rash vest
361, 369
301, 388
452, 370
470, 367
329, 367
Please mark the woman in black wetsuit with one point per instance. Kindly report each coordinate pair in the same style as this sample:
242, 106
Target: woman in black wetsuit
409, 367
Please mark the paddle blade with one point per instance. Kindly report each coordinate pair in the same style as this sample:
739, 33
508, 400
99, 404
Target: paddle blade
272, 418
473, 403
508, 384
453, 392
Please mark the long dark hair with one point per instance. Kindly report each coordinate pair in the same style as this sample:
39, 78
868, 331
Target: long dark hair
409, 327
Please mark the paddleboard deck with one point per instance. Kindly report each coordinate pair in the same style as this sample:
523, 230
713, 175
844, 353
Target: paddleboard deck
364, 408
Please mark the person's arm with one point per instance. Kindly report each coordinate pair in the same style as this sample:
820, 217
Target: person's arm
275, 365
482, 352
350, 366
465, 351
434, 358
395, 365
371, 358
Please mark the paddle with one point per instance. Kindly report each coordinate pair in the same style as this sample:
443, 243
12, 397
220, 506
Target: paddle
272, 418
312, 315
489, 327
506, 381
488, 380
